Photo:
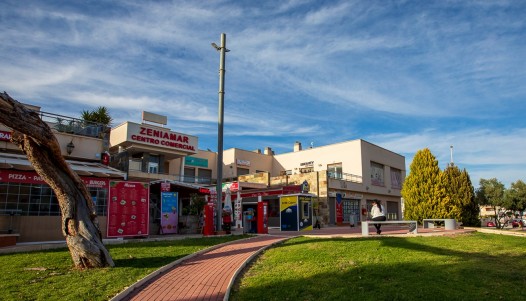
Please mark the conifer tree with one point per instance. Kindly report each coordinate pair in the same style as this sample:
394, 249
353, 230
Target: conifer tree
423, 191
460, 192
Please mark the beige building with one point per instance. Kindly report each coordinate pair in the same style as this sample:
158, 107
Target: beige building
345, 176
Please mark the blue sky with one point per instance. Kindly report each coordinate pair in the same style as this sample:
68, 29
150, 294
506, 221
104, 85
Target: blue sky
404, 75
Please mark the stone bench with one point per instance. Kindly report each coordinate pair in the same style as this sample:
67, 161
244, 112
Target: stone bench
413, 225
449, 223
7, 240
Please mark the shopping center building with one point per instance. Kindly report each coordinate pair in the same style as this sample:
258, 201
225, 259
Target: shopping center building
343, 178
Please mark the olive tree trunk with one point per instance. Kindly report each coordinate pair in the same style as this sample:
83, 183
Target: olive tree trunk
79, 220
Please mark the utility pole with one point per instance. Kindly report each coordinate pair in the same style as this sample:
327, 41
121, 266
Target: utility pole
222, 50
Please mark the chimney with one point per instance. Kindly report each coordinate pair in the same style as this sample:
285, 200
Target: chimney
268, 151
297, 146
257, 151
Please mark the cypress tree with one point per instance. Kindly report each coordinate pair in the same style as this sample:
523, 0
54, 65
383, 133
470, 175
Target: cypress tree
460, 192
423, 191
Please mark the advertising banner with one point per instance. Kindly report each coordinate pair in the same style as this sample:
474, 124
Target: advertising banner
339, 209
169, 212
128, 209
289, 213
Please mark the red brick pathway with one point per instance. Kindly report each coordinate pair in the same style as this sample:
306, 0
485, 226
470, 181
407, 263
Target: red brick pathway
205, 276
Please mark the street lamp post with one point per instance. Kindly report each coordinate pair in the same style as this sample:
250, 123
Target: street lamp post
222, 50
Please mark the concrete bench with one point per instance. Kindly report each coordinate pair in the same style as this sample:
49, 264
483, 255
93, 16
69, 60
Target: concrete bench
449, 223
7, 240
413, 225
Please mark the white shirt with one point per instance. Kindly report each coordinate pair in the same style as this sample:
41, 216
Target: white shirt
375, 211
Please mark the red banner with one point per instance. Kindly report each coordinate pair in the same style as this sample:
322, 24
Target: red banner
339, 209
31, 177
128, 209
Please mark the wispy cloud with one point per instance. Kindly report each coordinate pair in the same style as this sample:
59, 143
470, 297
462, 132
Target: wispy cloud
404, 74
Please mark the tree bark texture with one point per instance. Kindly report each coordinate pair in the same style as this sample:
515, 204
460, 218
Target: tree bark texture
79, 220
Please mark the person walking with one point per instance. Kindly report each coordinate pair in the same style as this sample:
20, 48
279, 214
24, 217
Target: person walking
378, 214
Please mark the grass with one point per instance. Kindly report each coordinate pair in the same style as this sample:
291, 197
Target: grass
465, 267
49, 275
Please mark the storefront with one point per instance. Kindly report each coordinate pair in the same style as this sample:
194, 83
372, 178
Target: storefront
29, 207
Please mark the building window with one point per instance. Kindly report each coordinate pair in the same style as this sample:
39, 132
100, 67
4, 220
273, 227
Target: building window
285, 173
153, 164
204, 176
40, 200
306, 169
396, 178
377, 174
242, 171
335, 171
189, 174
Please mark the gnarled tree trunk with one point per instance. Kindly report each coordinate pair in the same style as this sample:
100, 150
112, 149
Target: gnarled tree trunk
79, 219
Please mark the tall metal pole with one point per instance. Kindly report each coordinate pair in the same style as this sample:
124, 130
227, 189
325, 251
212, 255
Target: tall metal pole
222, 50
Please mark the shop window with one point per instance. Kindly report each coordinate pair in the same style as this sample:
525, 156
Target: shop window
377, 174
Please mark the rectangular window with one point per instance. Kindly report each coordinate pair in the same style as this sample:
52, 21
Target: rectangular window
396, 178
306, 169
377, 174
335, 171
204, 176
242, 171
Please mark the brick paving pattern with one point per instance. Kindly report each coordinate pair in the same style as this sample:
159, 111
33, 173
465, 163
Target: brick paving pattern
205, 276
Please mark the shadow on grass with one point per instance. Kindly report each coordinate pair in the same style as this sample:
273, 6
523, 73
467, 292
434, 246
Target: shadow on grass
392, 269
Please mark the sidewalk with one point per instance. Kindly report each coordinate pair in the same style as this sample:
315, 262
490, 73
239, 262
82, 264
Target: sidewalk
205, 276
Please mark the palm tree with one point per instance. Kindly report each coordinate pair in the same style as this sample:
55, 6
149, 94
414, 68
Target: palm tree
100, 115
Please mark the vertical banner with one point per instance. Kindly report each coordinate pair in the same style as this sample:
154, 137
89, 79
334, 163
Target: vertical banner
128, 209
288, 207
169, 212
339, 209
237, 211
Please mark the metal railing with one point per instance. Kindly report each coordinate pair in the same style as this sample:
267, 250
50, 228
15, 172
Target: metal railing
66, 124
344, 176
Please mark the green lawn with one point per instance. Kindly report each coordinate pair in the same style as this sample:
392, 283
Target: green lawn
465, 267
49, 275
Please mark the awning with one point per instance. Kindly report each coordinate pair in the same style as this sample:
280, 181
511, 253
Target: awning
177, 183
20, 162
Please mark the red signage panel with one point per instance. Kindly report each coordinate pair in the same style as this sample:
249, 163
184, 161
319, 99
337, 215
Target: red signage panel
128, 209
31, 177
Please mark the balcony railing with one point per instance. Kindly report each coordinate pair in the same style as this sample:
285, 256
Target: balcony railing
72, 125
344, 176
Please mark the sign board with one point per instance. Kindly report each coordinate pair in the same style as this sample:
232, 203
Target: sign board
128, 209
192, 161
169, 212
31, 177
